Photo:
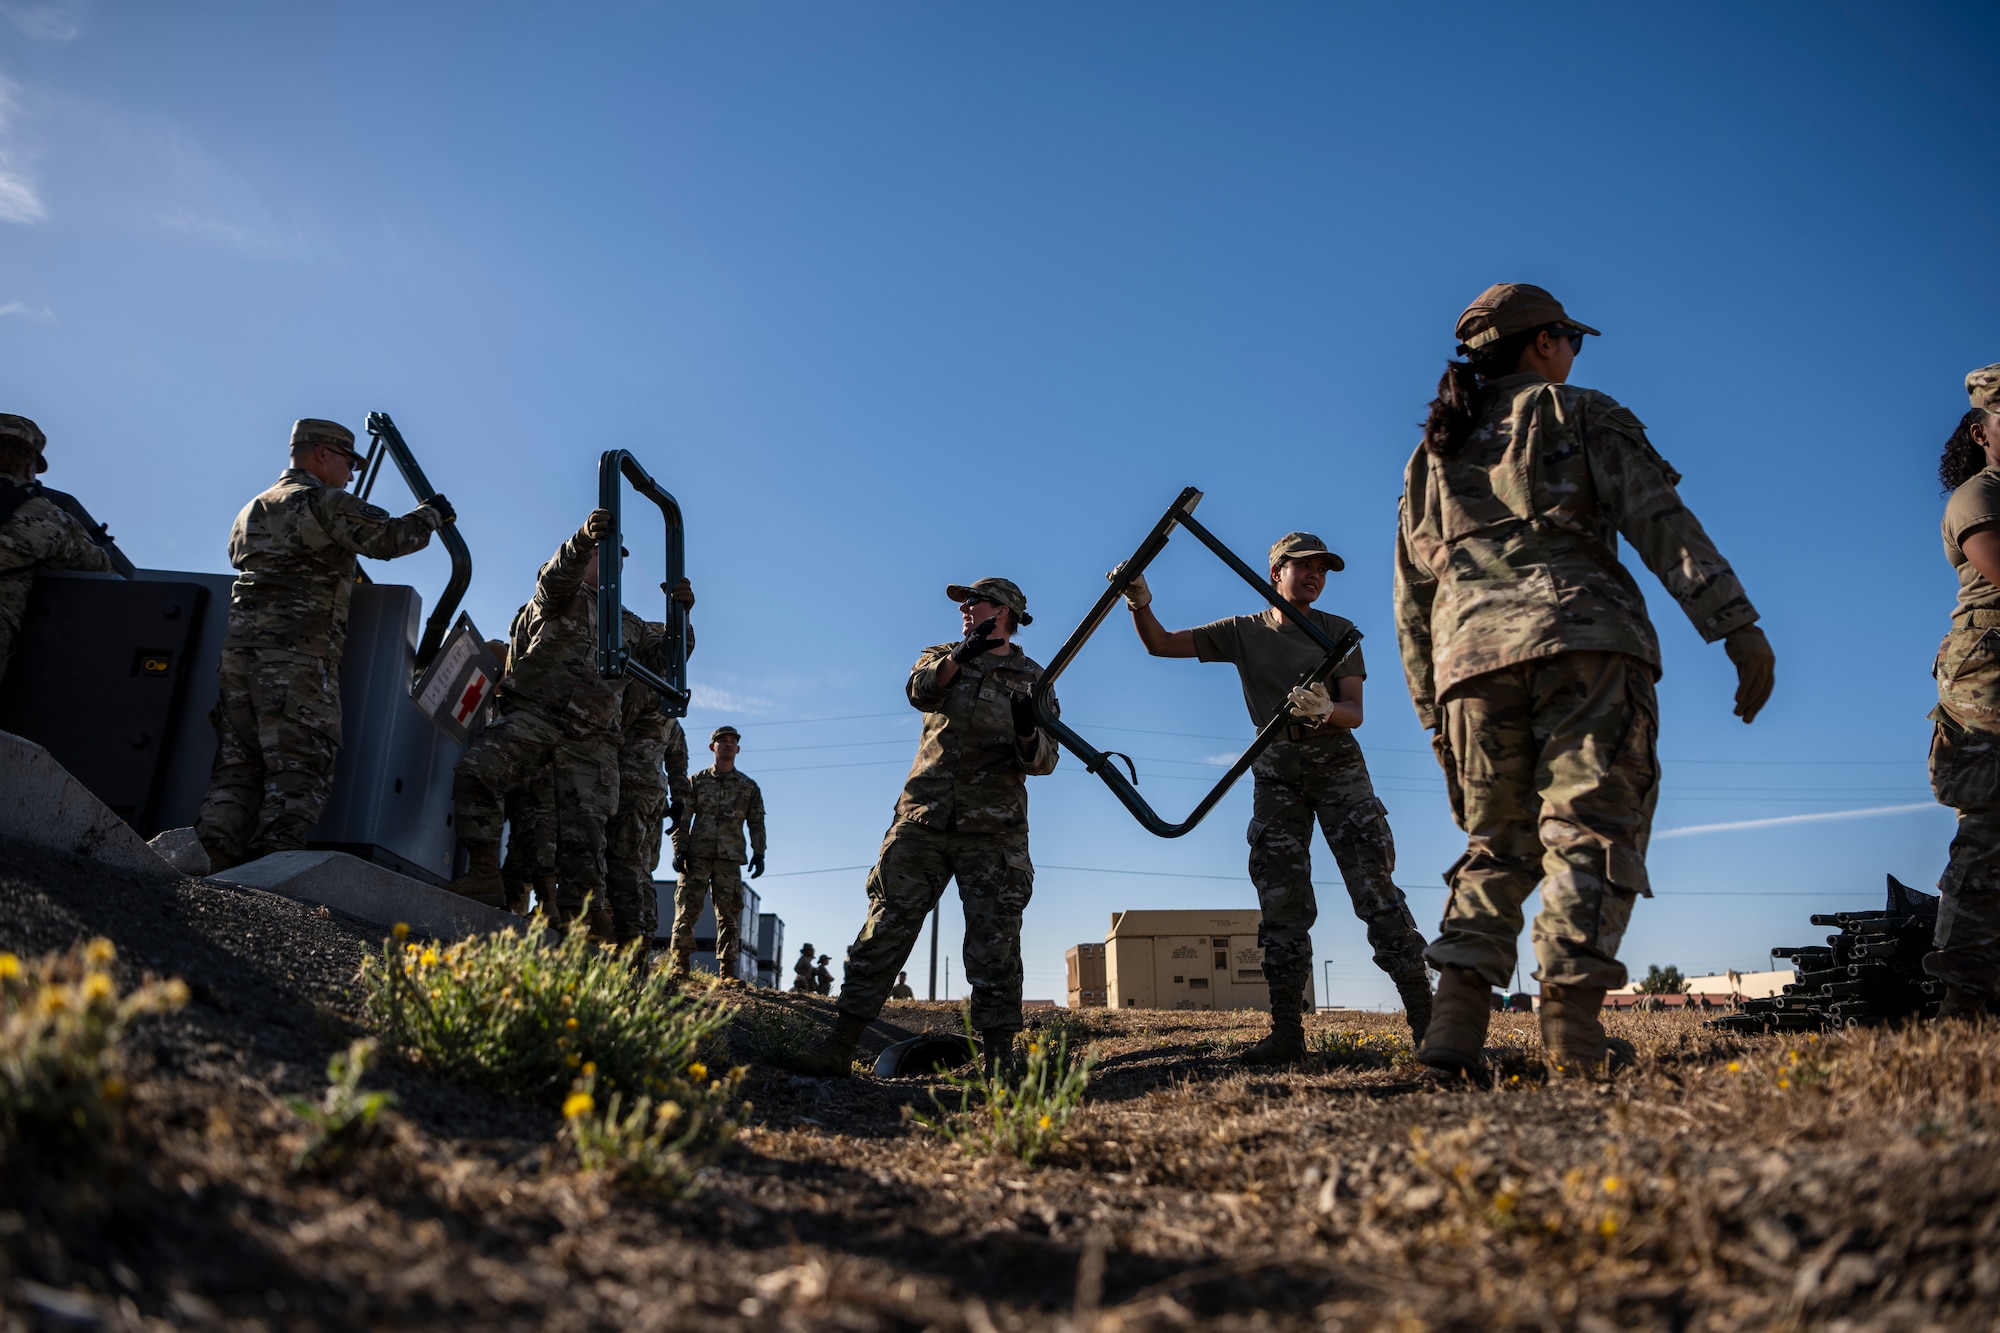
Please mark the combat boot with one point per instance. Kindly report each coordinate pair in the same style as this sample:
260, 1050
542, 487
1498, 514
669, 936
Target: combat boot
996, 1051
1415, 988
481, 882
1960, 1002
1285, 1043
1573, 1035
832, 1056
1455, 1038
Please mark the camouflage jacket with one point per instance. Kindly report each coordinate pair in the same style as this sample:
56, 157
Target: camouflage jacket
295, 546
971, 770
552, 654
720, 805
39, 535
647, 736
1506, 551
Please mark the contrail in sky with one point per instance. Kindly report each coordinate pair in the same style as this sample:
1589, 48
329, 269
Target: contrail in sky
1873, 810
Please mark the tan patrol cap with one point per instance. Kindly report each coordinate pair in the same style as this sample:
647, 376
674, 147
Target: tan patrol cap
1000, 591
314, 430
723, 730
1982, 386
1507, 308
1303, 546
21, 428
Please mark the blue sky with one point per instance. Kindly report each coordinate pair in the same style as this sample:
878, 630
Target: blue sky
894, 294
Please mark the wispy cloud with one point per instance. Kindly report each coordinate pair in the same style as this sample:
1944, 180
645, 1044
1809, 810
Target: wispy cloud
1823, 817
712, 700
1223, 760
51, 22
20, 201
26, 311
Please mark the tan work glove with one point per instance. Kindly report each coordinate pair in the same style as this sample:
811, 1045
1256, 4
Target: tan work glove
1312, 702
1756, 669
682, 592
598, 526
1137, 594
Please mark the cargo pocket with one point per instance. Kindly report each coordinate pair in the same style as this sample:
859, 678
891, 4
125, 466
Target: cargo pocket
314, 711
1367, 825
1965, 764
1019, 882
1968, 678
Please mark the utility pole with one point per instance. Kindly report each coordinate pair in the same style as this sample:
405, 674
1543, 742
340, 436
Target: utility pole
934, 935
1326, 989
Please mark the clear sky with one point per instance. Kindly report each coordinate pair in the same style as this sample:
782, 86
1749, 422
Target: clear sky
895, 294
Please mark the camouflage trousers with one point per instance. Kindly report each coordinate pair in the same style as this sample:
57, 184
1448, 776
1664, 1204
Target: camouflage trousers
1552, 774
277, 734
1323, 777
1965, 775
531, 837
995, 881
514, 748
631, 854
710, 878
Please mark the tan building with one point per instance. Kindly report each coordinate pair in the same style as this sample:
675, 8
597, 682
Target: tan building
1185, 960
1086, 976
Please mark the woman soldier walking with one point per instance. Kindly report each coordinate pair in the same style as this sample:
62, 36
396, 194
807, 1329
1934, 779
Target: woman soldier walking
1965, 738
1531, 658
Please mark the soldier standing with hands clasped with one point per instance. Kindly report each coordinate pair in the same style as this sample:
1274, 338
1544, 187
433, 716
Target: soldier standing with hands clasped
1316, 770
277, 723
709, 856
1532, 660
963, 813
1965, 736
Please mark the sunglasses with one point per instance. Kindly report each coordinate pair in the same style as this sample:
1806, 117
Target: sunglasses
971, 602
1575, 337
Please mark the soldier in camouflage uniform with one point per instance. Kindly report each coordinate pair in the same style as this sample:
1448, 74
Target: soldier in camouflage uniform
1316, 770
35, 533
1965, 737
648, 740
556, 712
531, 810
1530, 656
708, 854
277, 722
964, 814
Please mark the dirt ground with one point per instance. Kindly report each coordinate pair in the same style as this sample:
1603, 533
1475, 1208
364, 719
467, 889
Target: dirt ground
1850, 1182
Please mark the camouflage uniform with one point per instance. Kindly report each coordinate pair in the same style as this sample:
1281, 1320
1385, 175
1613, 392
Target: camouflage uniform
720, 805
1965, 742
39, 535
1530, 655
963, 813
1316, 772
647, 738
277, 722
557, 713
531, 814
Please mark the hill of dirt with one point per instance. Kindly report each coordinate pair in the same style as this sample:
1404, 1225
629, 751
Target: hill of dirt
1850, 1182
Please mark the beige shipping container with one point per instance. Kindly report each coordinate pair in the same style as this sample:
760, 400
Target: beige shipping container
1086, 976
1185, 960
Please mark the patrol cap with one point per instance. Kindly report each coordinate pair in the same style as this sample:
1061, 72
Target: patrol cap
21, 428
721, 731
1508, 308
313, 430
1982, 386
1000, 591
1302, 546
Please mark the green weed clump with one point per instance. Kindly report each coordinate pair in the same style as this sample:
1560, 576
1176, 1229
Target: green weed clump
522, 1017
655, 1144
1022, 1109
346, 1119
61, 1019
1327, 1049
776, 1032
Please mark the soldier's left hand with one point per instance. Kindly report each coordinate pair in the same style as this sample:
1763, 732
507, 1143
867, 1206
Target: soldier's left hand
445, 512
757, 865
1756, 669
1025, 720
682, 592
674, 813
1311, 701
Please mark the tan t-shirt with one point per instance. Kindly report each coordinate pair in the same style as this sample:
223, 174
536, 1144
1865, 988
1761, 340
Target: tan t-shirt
1271, 655
1974, 503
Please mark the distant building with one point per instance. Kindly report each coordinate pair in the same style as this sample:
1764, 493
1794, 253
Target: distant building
1723, 990
1186, 960
762, 933
1086, 976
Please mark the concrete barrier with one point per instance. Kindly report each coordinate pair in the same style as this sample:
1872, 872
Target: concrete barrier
368, 891
43, 805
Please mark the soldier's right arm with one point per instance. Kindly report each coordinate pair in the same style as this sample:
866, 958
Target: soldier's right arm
1416, 591
926, 692
367, 530
562, 577
69, 545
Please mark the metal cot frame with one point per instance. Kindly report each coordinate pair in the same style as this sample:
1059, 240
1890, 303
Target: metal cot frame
614, 659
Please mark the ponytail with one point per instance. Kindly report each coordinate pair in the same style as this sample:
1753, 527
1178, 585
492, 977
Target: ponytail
1455, 411
1964, 457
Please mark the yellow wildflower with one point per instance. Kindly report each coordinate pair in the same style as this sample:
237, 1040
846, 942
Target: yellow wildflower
572, 1059
97, 986
578, 1103
667, 1114
1504, 1202
737, 1071
54, 1001
10, 966
401, 930
177, 992
429, 958
99, 951
1044, 1123
1612, 1184
570, 1023
111, 1089
697, 1071
1784, 1083
590, 1069
1735, 1067
1608, 1228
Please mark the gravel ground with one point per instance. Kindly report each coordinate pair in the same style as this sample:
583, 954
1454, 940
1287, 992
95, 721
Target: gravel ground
1730, 1182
